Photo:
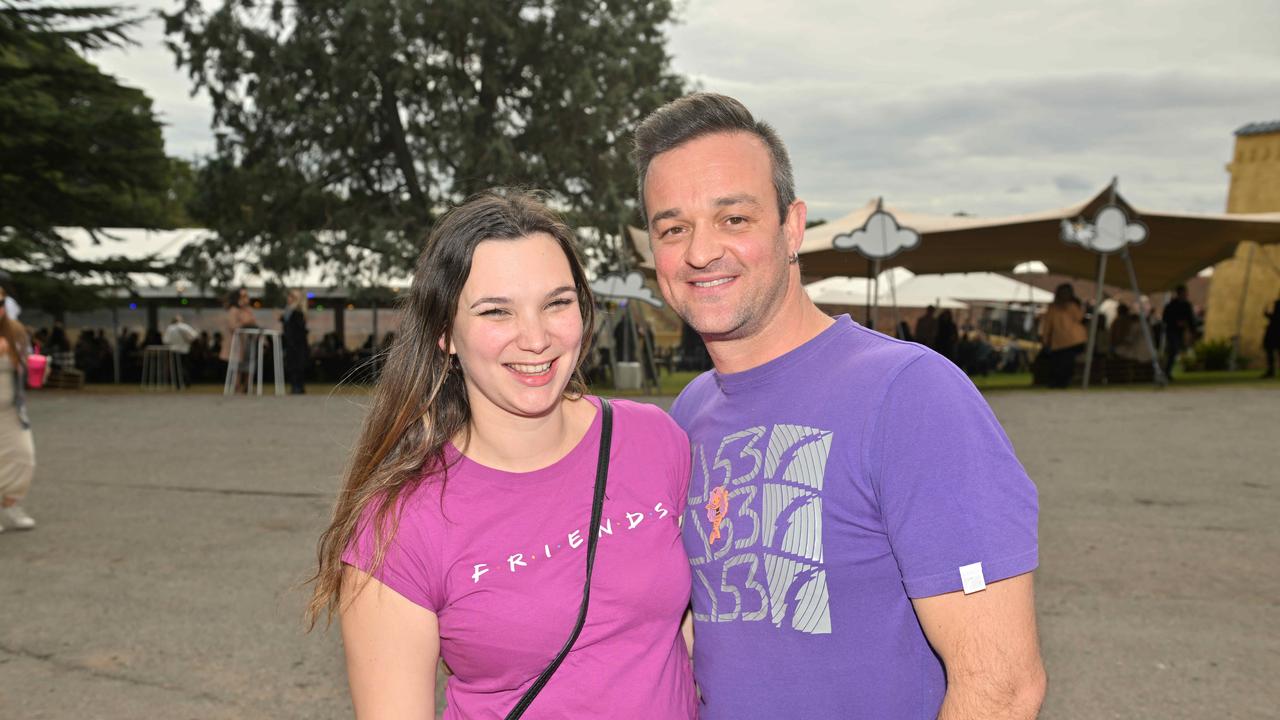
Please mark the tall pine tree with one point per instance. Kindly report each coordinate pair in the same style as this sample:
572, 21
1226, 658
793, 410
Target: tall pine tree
77, 149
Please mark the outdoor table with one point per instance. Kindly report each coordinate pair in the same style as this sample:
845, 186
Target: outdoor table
255, 340
161, 368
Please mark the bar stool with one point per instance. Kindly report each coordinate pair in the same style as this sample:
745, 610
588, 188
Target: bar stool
161, 369
255, 341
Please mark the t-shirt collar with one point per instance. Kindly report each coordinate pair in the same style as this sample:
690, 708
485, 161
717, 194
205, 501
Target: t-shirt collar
779, 367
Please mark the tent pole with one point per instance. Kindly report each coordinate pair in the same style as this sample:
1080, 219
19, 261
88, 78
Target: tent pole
867, 317
893, 293
1093, 322
115, 344
1244, 296
624, 238
875, 299
1158, 372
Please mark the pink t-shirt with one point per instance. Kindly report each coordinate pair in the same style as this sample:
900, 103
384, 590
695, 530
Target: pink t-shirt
502, 563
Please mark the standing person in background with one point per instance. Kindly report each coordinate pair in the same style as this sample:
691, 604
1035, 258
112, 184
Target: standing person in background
296, 352
17, 450
178, 336
11, 307
239, 315
1062, 334
1122, 329
1126, 336
58, 342
199, 357
944, 341
1271, 339
927, 327
1179, 328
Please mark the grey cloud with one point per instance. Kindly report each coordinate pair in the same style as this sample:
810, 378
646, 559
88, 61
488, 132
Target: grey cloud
954, 148
940, 108
1073, 183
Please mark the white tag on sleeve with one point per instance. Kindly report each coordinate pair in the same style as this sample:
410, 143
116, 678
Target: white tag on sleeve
971, 576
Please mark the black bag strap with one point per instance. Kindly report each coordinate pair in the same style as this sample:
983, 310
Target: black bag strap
597, 508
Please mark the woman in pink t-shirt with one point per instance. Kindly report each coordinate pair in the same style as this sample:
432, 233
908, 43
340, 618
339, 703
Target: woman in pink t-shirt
461, 531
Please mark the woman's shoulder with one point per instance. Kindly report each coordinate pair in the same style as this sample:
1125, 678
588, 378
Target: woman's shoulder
635, 409
416, 514
642, 418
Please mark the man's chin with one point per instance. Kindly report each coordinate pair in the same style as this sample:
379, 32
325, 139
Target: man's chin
717, 329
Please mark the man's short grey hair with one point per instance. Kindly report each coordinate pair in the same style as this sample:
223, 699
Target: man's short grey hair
700, 114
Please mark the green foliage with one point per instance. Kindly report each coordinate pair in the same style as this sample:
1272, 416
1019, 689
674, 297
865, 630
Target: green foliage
77, 149
1210, 355
344, 127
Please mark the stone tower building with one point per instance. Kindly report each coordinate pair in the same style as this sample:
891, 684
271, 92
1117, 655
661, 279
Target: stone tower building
1255, 187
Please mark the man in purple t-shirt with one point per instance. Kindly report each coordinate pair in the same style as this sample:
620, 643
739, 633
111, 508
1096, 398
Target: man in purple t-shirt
861, 533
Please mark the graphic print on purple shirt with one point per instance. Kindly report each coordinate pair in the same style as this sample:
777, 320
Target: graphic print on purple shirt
778, 514
853, 474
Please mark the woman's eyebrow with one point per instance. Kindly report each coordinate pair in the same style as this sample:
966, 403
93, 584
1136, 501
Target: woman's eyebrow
499, 300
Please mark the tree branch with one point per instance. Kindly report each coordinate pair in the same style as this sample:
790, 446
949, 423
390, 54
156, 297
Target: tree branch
400, 146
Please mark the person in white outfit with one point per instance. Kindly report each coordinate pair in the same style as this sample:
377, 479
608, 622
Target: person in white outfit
178, 336
17, 450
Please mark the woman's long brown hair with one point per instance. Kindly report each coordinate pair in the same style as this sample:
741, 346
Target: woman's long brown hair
14, 332
420, 402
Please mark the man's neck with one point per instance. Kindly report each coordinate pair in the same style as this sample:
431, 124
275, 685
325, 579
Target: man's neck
797, 322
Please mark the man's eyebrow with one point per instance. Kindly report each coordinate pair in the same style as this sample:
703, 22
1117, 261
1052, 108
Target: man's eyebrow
736, 199
725, 201
663, 215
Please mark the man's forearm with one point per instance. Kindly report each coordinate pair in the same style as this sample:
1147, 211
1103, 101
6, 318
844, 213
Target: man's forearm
1008, 698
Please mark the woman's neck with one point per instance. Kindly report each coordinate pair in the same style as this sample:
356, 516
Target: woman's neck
505, 441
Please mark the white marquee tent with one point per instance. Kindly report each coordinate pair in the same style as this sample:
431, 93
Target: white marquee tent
944, 290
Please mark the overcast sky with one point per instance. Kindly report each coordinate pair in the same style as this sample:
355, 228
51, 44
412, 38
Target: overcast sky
992, 107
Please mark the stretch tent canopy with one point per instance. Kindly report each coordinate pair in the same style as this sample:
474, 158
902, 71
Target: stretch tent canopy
1177, 247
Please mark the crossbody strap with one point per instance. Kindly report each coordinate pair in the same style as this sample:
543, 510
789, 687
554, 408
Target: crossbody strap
593, 535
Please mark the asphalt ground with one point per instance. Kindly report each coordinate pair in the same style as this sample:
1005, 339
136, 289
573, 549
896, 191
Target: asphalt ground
174, 531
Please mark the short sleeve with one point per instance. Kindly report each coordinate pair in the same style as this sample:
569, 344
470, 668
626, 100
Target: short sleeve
951, 491
671, 446
681, 460
406, 568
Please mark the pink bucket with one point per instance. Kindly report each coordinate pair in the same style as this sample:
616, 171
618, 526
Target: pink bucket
36, 367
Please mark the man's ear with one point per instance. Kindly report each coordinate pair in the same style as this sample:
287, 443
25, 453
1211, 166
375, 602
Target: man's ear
793, 225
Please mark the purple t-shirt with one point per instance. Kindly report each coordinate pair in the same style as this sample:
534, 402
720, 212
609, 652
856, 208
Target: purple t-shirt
502, 563
852, 474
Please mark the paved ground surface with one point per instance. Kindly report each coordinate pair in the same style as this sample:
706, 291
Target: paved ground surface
174, 531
